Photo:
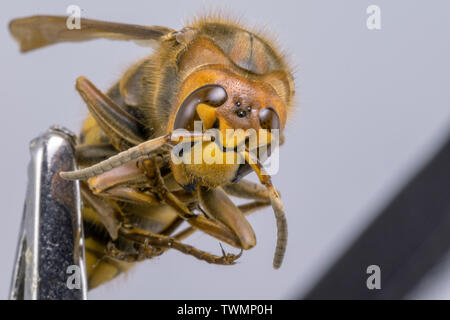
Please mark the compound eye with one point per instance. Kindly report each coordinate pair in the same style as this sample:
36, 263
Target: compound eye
211, 94
215, 96
268, 119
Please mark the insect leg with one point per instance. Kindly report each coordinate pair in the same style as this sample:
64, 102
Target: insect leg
246, 209
161, 241
102, 219
218, 231
113, 184
125, 183
145, 251
219, 207
183, 234
248, 190
106, 212
253, 206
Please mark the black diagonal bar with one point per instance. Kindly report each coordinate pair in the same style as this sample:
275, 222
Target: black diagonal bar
408, 237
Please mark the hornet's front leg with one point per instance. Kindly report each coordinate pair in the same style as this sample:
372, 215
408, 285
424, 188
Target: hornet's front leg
246, 189
151, 245
148, 245
226, 222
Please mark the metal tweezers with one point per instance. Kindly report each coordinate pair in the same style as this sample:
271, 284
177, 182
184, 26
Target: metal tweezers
50, 262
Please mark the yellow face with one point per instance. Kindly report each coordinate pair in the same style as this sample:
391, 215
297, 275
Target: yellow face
239, 109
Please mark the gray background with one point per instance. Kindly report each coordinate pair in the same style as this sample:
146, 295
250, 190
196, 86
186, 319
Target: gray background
372, 106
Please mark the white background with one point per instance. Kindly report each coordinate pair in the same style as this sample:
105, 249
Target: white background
373, 105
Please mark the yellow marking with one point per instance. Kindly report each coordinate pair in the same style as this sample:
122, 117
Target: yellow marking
101, 270
207, 115
91, 215
91, 132
104, 272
